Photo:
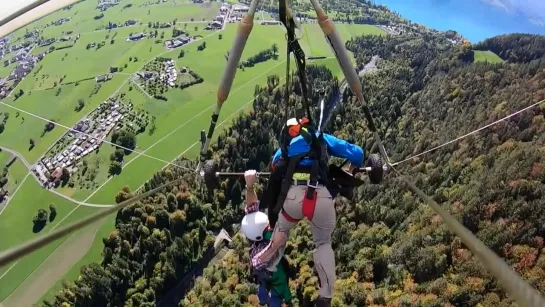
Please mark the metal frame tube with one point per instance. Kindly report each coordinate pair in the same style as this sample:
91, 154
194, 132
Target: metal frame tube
243, 32
31, 13
349, 72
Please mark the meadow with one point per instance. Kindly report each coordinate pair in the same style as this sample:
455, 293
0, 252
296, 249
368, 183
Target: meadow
16, 220
19, 129
178, 120
6, 70
16, 172
487, 56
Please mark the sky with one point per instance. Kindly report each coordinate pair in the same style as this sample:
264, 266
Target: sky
533, 10
474, 19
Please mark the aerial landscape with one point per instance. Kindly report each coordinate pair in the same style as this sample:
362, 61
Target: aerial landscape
104, 100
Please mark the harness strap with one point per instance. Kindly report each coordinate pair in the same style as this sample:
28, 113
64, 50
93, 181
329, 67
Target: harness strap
294, 47
288, 217
286, 183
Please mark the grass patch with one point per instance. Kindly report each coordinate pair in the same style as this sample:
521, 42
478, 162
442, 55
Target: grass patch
486, 56
16, 172
6, 70
314, 42
16, 220
94, 255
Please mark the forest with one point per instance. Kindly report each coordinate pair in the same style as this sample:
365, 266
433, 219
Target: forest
390, 247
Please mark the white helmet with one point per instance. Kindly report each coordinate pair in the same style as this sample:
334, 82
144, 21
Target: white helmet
254, 224
292, 122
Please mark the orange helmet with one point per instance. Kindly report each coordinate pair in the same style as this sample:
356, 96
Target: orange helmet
294, 125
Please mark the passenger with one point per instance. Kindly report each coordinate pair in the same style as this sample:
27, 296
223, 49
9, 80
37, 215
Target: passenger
298, 188
273, 284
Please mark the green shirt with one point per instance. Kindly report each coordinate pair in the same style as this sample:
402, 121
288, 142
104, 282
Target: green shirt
279, 280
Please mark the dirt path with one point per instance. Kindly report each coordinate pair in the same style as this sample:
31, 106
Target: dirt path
54, 267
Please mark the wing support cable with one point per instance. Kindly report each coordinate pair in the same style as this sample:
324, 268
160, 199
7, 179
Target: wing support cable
512, 283
32, 245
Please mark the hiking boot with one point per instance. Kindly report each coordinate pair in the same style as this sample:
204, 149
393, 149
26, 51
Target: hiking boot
322, 302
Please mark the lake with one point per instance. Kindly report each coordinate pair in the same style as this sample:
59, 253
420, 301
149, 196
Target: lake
473, 19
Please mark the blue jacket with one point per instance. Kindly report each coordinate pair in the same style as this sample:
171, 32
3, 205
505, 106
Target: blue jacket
335, 147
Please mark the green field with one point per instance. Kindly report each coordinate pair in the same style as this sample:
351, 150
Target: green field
16, 220
316, 44
178, 120
48, 105
487, 56
83, 21
16, 172
6, 70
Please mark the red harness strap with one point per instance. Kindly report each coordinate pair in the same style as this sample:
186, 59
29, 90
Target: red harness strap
309, 205
288, 217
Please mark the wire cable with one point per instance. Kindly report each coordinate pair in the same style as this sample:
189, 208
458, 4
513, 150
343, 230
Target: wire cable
32, 245
468, 134
524, 293
94, 137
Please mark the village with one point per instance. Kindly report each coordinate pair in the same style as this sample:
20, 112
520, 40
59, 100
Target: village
86, 137
161, 69
158, 75
227, 12
25, 63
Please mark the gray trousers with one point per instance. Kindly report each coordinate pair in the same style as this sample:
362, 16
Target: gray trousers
322, 226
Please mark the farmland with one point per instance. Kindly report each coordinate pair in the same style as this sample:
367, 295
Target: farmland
56, 84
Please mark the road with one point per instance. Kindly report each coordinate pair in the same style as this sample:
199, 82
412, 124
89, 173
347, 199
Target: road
31, 172
368, 68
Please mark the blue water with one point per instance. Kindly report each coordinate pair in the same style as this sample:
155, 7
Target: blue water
473, 19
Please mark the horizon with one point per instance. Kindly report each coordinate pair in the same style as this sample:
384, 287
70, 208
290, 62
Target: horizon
475, 20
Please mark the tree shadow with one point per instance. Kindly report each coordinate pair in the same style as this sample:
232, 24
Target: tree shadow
30, 148
52, 216
38, 227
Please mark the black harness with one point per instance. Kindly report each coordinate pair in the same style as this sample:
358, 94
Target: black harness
281, 178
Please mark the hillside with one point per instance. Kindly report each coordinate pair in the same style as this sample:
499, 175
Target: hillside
515, 48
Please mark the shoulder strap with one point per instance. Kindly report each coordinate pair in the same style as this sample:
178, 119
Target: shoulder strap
286, 184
